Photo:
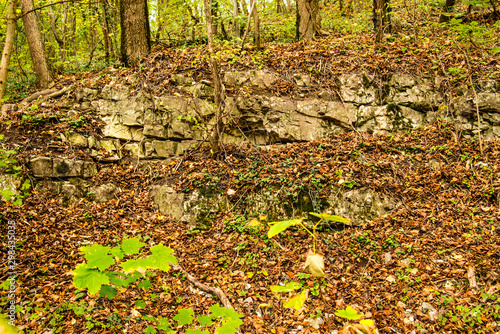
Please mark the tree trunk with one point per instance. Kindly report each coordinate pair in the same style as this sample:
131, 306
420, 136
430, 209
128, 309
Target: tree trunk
256, 27
135, 36
35, 44
236, 23
7, 48
308, 24
381, 19
214, 66
448, 6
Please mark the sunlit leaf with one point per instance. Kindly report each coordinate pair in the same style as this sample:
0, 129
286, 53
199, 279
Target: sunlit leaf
297, 302
292, 286
90, 279
132, 246
280, 226
349, 313
328, 217
184, 316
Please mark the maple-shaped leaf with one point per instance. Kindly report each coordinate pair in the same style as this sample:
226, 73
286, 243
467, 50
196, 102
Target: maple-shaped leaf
132, 265
204, 320
162, 257
328, 217
164, 324
292, 286
315, 264
132, 246
195, 331
118, 252
122, 280
90, 279
280, 226
184, 316
146, 284
7, 193
150, 330
98, 256
108, 291
297, 302
231, 321
349, 313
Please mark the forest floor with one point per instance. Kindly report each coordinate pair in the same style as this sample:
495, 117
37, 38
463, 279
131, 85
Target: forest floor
432, 264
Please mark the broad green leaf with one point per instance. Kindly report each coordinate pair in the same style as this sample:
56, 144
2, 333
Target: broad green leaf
292, 286
162, 257
204, 320
349, 313
5, 285
328, 217
132, 265
280, 226
496, 50
140, 303
108, 291
184, 317
150, 330
229, 326
164, 324
297, 301
7, 194
90, 279
132, 246
98, 256
220, 311
231, 319
118, 252
146, 284
194, 331
122, 280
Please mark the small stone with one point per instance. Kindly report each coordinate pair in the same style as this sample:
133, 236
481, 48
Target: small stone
316, 322
387, 258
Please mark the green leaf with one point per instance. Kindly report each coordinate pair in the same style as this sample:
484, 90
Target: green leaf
7, 194
495, 50
204, 320
349, 313
97, 256
108, 291
231, 319
132, 265
122, 280
328, 217
5, 285
132, 246
90, 279
194, 331
162, 257
292, 286
297, 301
140, 303
118, 252
146, 284
184, 316
280, 226
164, 324
150, 330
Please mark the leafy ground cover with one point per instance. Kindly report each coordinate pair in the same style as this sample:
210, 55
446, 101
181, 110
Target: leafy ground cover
431, 264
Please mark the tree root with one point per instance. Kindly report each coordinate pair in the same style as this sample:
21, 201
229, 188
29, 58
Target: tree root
216, 291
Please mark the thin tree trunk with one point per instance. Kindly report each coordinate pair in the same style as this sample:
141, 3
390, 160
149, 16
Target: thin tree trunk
7, 48
35, 44
217, 134
381, 19
256, 27
236, 23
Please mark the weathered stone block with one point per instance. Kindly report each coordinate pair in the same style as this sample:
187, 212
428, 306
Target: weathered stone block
164, 149
66, 168
115, 92
41, 166
77, 139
